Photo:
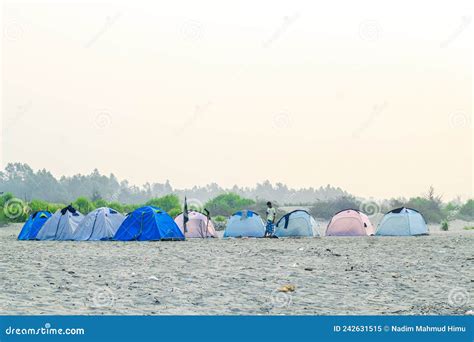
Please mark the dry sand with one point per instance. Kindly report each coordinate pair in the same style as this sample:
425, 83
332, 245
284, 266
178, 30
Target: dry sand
333, 276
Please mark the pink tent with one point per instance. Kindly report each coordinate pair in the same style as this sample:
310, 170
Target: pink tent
198, 225
350, 222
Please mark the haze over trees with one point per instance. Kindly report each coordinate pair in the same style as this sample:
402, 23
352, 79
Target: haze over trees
27, 184
25, 190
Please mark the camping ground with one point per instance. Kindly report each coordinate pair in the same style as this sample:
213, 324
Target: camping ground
331, 275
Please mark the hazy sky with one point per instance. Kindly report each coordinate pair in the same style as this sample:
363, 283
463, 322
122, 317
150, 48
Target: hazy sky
371, 96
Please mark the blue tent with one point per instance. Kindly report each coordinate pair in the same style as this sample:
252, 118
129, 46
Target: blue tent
148, 223
33, 225
245, 223
402, 222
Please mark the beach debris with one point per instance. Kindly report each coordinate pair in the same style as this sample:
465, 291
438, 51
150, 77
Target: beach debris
287, 288
301, 249
153, 278
349, 269
308, 269
332, 253
469, 312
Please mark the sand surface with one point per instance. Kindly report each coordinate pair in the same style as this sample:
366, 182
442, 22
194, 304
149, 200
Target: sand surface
332, 276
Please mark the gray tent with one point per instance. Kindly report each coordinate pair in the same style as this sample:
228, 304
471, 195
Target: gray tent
100, 224
61, 225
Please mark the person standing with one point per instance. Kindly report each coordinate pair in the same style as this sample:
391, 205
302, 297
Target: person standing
271, 215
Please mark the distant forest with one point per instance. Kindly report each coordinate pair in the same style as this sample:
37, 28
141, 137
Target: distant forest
39, 190
27, 184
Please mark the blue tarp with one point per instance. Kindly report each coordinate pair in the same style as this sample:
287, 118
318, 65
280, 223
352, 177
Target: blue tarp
148, 223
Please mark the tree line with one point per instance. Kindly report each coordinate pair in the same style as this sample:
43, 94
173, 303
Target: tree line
27, 184
224, 205
26, 190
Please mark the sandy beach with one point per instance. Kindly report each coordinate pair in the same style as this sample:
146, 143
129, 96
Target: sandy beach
332, 276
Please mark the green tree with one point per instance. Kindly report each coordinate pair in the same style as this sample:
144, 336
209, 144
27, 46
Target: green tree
117, 206
83, 205
167, 203
326, 209
174, 212
428, 207
467, 210
227, 204
100, 203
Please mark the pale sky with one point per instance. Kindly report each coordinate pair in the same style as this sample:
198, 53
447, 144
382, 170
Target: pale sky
371, 96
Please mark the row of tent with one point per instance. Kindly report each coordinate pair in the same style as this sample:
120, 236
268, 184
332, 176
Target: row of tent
152, 223
143, 224
348, 222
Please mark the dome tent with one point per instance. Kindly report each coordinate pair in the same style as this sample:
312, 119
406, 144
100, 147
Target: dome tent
402, 222
298, 223
33, 225
350, 222
148, 224
61, 225
245, 223
100, 224
198, 226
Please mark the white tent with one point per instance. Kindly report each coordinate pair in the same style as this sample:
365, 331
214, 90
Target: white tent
245, 223
298, 223
402, 222
100, 224
61, 225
